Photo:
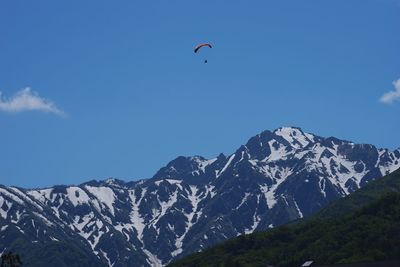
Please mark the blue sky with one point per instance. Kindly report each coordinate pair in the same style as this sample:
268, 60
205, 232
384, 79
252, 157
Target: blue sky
97, 89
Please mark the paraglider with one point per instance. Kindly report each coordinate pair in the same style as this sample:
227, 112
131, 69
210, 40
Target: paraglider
199, 46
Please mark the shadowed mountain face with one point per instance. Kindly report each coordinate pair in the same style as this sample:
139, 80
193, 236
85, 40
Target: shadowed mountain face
193, 202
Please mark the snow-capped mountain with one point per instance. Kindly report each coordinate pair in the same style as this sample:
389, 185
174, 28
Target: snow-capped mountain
193, 202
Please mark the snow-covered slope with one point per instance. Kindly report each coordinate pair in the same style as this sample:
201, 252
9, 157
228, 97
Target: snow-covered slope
193, 202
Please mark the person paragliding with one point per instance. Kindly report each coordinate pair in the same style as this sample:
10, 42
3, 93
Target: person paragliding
199, 46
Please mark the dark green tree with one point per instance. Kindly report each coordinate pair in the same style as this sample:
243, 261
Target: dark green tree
10, 260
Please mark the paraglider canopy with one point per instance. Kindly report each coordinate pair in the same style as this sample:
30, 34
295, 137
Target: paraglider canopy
197, 48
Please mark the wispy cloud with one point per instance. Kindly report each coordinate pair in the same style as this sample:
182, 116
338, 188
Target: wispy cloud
390, 97
28, 100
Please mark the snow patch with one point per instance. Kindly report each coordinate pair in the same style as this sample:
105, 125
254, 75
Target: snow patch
173, 181
104, 194
210, 190
292, 135
297, 208
152, 259
164, 206
12, 196
23, 196
3, 212
106, 256
44, 219
269, 192
204, 163
194, 201
42, 195
136, 218
256, 219
226, 165
77, 196
246, 195
276, 154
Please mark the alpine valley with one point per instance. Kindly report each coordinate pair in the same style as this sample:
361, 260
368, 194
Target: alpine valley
190, 204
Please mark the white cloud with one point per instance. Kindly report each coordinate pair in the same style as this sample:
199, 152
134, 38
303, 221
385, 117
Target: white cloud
390, 97
28, 100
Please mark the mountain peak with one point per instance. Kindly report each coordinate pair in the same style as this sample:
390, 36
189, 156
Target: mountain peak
289, 128
295, 136
114, 182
